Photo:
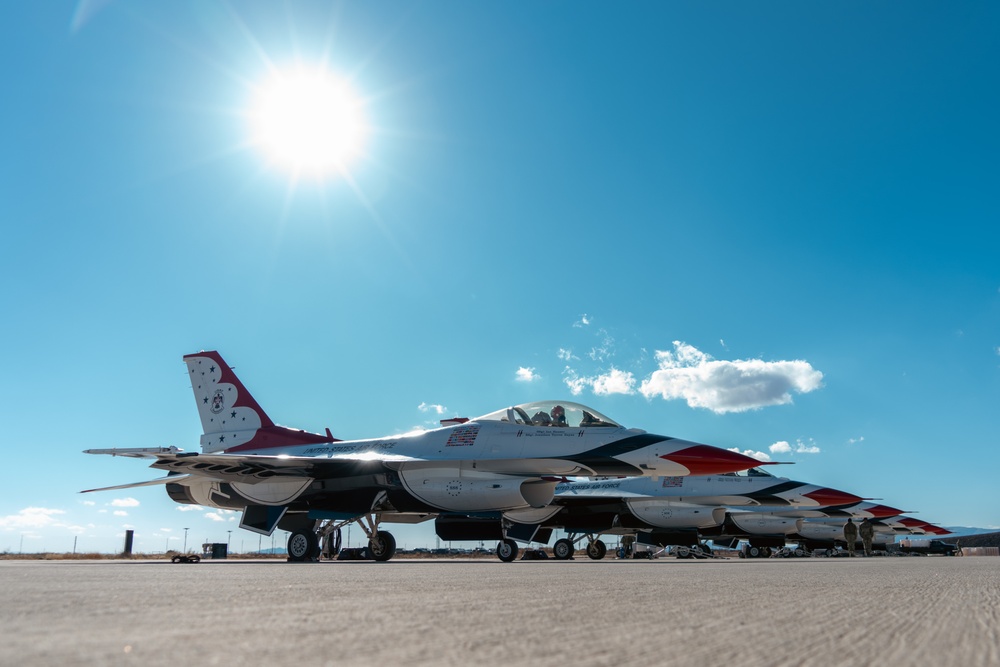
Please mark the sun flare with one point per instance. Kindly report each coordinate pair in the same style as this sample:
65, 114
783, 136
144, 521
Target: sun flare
308, 121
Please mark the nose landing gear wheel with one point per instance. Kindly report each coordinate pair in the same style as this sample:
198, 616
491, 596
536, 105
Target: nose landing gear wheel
507, 550
382, 546
597, 549
562, 549
302, 546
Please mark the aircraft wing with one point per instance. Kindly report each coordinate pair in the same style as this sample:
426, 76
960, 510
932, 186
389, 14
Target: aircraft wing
253, 468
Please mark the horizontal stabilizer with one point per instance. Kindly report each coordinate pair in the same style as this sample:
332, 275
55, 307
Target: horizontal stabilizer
169, 479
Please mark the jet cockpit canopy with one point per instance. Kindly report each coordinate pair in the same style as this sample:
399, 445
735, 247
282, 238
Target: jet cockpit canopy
552, 413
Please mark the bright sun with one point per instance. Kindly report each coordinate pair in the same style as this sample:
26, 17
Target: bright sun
308, 121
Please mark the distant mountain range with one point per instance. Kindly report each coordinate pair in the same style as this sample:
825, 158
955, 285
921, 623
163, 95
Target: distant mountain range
965, 530
972, 537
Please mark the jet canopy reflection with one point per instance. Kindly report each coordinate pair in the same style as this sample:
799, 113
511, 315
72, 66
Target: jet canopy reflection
552, 413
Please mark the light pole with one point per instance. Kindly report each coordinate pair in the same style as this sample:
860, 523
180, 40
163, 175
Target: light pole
229, 540
185, 540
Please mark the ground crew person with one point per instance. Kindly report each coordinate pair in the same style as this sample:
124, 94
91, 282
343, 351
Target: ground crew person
867, 532
850, 536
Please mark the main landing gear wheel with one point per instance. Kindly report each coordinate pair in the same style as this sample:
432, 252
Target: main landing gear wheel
562, 549
382, 546
507, 550
754, 552
303, 545
597, 550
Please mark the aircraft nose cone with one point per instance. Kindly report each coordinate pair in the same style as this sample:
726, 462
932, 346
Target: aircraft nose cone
830, 497
708, 460
883, 511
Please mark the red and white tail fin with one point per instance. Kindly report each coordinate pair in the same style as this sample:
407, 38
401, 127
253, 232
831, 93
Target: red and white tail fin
231, 420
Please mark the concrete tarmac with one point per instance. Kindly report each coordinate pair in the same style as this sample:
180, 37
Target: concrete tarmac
824, 612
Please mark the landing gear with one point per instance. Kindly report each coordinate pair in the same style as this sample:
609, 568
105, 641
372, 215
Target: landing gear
563, 549
382, 546
330, 541
597, 549
507, 550
303, 545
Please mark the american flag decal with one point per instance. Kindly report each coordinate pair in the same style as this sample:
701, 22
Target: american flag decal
672, 481
463, 436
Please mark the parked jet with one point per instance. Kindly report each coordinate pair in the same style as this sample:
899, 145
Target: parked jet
504, 463
821, 528
668, 510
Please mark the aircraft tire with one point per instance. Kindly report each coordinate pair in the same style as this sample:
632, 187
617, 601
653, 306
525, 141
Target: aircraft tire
683, 552
562, 549
382, 547
597, 550
507, 550
302, 545
753, 552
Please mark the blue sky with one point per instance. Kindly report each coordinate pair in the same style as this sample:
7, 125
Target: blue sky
768, 226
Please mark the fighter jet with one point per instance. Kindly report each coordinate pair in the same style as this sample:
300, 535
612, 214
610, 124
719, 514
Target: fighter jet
667, 510
812, 529
310, 484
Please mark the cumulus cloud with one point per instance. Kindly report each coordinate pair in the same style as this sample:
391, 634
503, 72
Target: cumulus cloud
31, 517
432, 407
190, 508
213, 516
614, 382
526, 374
783, 447
727, 386
120, 513
124, 502
89, 503
760, 456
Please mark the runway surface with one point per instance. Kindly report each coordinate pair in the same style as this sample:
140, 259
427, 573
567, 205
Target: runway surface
891, 611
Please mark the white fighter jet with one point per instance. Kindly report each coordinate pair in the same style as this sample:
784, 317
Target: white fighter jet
660, 511
504, 464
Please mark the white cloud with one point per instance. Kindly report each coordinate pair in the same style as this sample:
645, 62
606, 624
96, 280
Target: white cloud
89, 503
526, 374
124, 502
432, 407
760, 456
575, 383
727, 386
31, 517
120, 513
214, 517
565, 355
802, 448
190, 508
582, 322
613, 382
860, 438
782, 447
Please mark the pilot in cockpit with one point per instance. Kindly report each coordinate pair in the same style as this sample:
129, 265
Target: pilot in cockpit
559, 416
541, 418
